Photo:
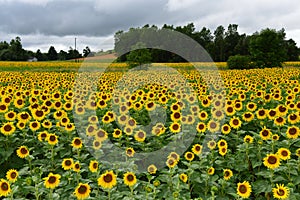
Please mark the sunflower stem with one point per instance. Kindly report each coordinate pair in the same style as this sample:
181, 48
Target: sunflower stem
51, 194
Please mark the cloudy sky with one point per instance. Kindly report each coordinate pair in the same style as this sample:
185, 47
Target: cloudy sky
42, 23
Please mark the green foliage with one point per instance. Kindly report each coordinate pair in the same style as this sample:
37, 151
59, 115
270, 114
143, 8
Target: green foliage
267, 48
239, 62
138, 56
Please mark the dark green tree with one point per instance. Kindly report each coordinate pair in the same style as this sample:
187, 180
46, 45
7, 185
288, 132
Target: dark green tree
40, 56
52, 53
267, 48
219, 44
62, 55
231, 40
292, 50
138, 55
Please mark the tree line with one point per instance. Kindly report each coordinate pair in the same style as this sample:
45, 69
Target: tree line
13, 51
221, 43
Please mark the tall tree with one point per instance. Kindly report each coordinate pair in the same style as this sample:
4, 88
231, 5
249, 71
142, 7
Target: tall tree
231, 40
52, 53
267, 48
219, 44
292, 50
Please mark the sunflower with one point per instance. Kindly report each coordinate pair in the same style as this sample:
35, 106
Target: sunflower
131, 123
122, 119
69, 127
68, 106
67, 163
279, 121
248, 116
117, 133
248, 139
211, 144
280, 192
225, 129
34, 125
47, 124
38, 114
265, 133
175, 107
128, 130
213, 126
97, 144
101, 135
76, 143
174, 155
218, 114
76, 167
24, 117
107, 180
189, 156
52, 139
21, 125
152, 169
130, 152
8, 128
284, 153
227, 174
275, 137
10, 116
91, 130
82, 191
298, 152
238, 106
293, 118
235, 122
175, 127
197, 149
12, 175
272, 161
176, 116
22, 152
18, 103
203, 115
5, 189
93, 119
3, 108
106, 119
281, 110
42, 136
223, 151
171, 162
229, 110
261, 114
222, 143
183, 177
129, 179
211, 171
93, 166
140, 136
52, 180
206, 102
293, 132
201, 127
244, 189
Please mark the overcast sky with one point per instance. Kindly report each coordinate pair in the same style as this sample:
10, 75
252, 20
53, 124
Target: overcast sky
42, 23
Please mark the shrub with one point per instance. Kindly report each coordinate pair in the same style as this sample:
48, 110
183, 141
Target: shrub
239, 62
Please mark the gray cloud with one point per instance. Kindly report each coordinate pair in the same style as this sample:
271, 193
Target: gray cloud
40, 23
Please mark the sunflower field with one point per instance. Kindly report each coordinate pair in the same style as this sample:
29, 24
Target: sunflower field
168, 133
